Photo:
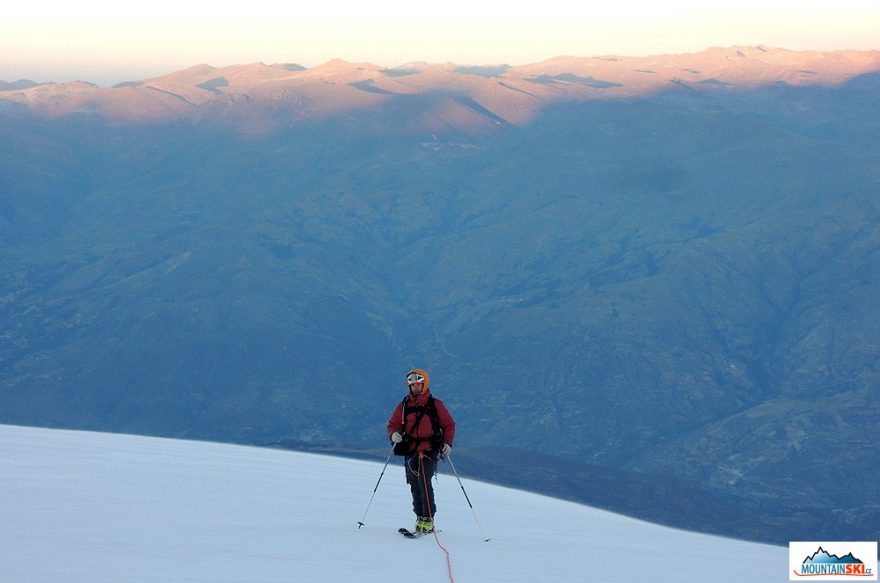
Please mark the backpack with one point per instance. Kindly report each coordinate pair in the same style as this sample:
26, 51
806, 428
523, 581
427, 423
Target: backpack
429, 409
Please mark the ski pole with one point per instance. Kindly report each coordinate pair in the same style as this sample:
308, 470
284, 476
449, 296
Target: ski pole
361, 521
457, 477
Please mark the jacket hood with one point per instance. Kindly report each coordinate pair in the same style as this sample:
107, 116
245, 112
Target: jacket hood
424, 373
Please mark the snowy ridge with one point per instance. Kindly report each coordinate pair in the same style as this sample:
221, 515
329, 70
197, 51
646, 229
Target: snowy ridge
90, 507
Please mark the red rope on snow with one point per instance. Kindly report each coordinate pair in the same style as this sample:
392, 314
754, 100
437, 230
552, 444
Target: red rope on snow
431, 516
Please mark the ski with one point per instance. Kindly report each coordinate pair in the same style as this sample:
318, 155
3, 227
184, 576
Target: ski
407, 533
410, 534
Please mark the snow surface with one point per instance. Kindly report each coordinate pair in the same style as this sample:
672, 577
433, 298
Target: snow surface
94, 507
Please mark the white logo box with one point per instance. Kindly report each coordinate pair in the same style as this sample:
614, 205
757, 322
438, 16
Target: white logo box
832, 561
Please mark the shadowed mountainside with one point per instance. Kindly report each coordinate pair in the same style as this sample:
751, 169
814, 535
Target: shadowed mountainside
630, 274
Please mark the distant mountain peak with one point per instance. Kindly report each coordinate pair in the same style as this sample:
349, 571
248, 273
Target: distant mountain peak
295, 67
340, 65
18, 85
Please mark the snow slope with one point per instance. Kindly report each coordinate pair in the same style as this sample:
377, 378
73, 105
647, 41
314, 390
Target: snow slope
92, 507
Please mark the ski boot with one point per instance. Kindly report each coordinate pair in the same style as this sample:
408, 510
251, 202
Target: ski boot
424, 524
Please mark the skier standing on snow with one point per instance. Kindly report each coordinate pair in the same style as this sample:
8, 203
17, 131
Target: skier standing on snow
422, 429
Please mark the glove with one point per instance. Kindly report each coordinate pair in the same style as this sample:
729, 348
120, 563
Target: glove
445, 449
396, 437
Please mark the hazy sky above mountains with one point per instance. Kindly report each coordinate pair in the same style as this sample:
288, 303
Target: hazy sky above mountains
107, 42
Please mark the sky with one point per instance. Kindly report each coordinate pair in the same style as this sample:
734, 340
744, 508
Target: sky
84, 507
106, 43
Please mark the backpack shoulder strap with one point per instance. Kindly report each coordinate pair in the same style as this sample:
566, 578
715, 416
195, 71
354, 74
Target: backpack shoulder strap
431, 406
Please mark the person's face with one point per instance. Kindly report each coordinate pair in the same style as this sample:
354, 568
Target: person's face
416, 382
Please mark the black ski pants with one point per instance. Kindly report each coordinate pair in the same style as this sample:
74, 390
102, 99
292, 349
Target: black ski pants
419, 471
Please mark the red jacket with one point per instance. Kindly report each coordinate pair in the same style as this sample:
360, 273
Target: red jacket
423, 433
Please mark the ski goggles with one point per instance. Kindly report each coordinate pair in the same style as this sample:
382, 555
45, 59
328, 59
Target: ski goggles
414, 377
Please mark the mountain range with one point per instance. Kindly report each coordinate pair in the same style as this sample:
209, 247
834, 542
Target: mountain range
643, 283
437, 97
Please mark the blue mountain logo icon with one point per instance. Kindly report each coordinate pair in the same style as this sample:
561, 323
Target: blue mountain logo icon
821, 556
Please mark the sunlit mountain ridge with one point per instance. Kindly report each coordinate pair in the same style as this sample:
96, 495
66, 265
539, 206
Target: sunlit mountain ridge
497, 94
